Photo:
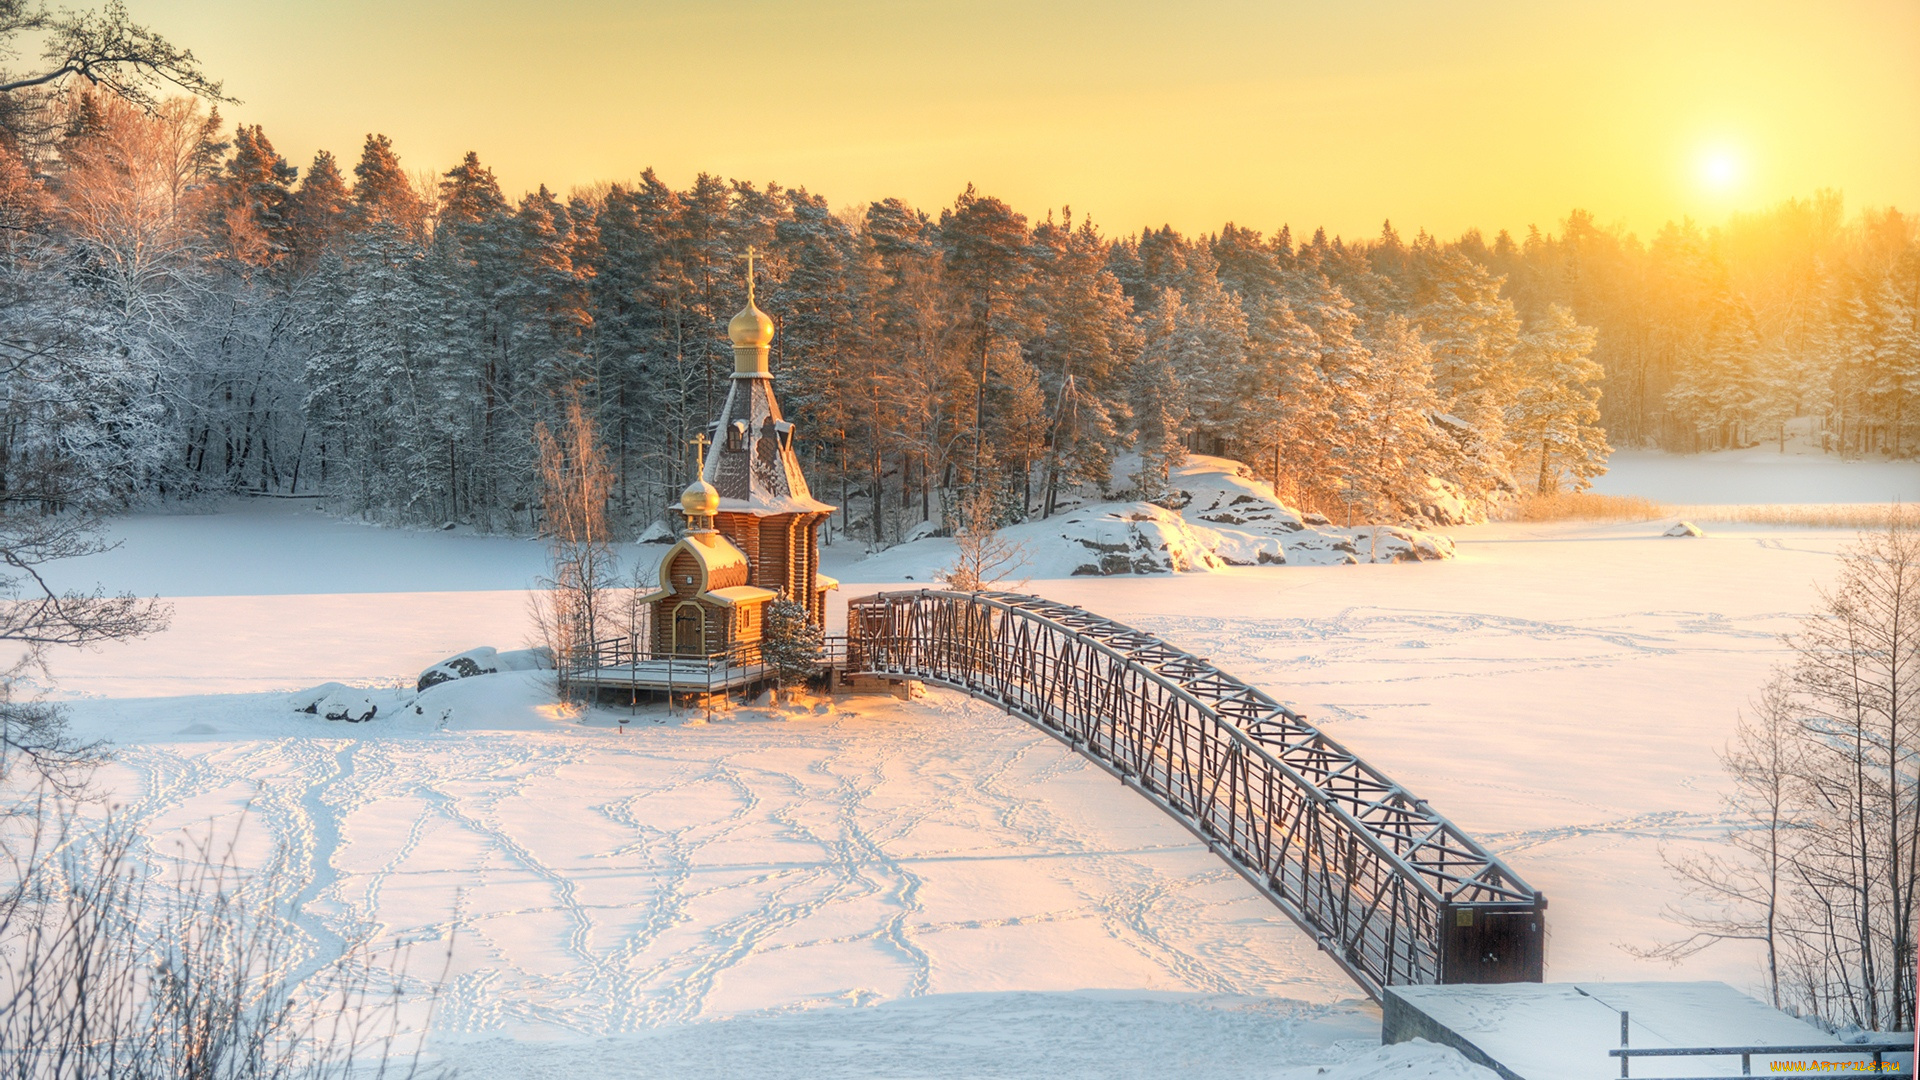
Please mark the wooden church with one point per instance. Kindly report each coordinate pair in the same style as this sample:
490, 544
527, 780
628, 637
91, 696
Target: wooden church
753, 528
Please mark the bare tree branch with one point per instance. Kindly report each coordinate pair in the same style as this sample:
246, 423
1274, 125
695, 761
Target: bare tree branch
108, 50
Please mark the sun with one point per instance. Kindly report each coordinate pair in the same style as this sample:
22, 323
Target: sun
1720, 169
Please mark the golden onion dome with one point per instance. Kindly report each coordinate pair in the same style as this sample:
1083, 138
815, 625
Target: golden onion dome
751, 326
700, 498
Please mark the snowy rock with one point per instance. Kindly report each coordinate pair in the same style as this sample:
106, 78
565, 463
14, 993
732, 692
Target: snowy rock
353, 706
308, 701
1685, 528
484, 661
462, 666
1224, 518
1443, 504
924, 530
656, 533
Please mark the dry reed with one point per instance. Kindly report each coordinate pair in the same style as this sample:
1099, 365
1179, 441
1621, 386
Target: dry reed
1583, 506
1588, 506
1812, 515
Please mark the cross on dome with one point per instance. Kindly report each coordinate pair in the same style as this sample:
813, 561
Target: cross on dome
751, 330
701, 500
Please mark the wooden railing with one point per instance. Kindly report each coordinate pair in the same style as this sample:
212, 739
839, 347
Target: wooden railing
602, 662
1394, 892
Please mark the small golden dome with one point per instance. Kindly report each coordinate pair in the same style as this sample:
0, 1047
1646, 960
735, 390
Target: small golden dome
700, 498
751, 326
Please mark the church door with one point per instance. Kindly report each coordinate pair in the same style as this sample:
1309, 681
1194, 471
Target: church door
690, 630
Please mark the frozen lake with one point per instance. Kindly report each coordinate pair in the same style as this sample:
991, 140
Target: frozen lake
676, 895
1759, 474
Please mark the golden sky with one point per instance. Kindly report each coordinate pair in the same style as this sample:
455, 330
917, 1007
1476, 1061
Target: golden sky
1437, 114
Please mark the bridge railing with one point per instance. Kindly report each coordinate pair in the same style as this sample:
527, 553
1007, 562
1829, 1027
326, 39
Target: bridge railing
1392, 890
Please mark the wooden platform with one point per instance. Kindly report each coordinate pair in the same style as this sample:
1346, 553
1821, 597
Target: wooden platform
692, 675
1564, 1031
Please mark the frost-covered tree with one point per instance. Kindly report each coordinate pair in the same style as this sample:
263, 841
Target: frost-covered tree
984, 247
1824, 870
1554, 416
1088, 340
1716, 388
791, 645
1472, 332
218, 323
1159, 401
1291, 400
1398, 447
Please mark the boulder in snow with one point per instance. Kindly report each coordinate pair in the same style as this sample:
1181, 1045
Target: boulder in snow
352, 706
335, 701
484, 660
463, 666
1226, 518
308, 700
1684, 528
1444, 505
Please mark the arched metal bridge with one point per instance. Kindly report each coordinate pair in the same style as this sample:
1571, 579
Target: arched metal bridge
1392, 890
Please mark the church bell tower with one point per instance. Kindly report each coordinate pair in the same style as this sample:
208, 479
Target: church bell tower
765, 507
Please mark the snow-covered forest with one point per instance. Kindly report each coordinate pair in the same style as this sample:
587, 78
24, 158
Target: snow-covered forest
186, 312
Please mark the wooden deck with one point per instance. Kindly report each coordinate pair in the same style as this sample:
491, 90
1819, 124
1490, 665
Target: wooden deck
626, 664
689, 674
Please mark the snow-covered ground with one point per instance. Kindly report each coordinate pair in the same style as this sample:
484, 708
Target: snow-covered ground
931, 888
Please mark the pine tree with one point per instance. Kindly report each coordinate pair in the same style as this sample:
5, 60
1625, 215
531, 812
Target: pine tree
317, 212
1895, 320
1332, 410
1396, 449
1159, 404
917, 361
985, 248
382, 192
791, 645
1248, 267
1472, 333
1716, 390
822, 322
1289, 401
252, 207
1211, 360
1087, 342
1554, 417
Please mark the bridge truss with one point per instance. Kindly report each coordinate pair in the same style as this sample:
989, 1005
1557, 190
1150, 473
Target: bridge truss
1393, 892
